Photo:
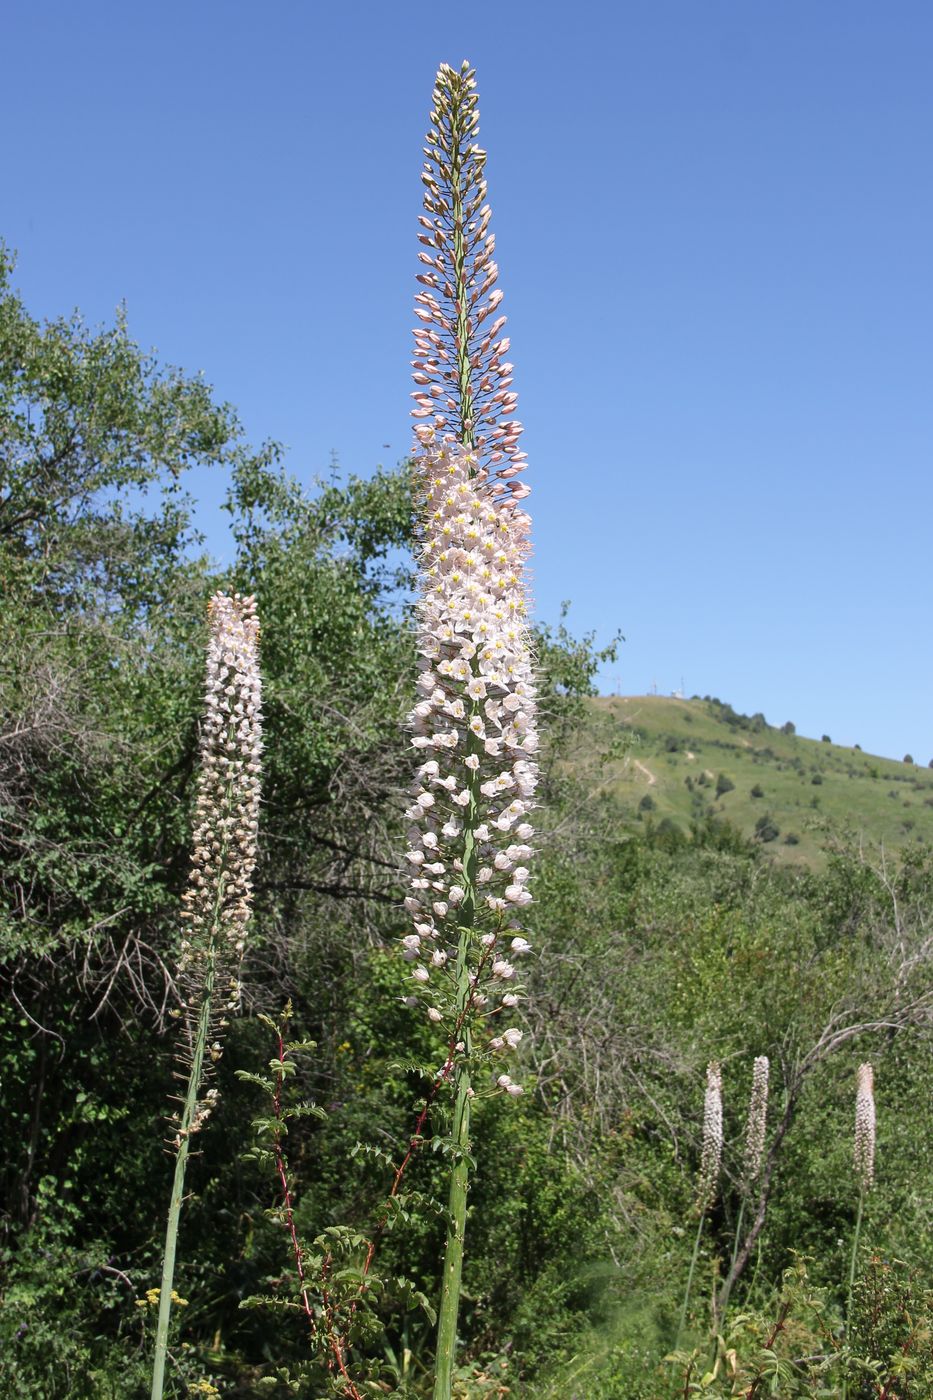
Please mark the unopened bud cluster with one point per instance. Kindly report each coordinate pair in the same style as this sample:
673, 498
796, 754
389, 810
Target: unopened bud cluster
216, 904
864, 1151
462, 376
756, 1124
711, 1154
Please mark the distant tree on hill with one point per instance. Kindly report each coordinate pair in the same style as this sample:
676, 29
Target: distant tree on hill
825, 739
723, 785
789, 728
908, 758
767, 829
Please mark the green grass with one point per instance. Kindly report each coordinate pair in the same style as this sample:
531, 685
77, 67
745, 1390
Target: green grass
675, 751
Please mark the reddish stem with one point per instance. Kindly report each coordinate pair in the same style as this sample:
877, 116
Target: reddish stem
332, 1338
286, 1193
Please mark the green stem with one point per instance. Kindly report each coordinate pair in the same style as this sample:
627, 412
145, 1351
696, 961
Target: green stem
727, 1286
453, 1253
178, 1184
852, 1264
693, 1263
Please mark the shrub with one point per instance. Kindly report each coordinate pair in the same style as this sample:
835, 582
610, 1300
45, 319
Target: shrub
723, 785
766, 828
817, 779
792, 839
758, 790
647, 803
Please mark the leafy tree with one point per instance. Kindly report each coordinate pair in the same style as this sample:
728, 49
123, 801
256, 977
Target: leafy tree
767, 829
724, 784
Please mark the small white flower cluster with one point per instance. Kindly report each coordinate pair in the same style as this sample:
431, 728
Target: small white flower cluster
711, 1155
864, 1152
216, 904
474, 729
757, 1121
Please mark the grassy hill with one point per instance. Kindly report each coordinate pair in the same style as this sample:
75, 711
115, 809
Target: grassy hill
686, 759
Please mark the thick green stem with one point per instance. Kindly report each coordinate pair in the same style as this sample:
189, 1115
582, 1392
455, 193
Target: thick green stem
693, 1263
852, 1266
727, 1287
459, 1176
178, 1185
453, 1253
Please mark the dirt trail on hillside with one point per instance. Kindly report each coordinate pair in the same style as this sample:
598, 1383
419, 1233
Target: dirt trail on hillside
647, 772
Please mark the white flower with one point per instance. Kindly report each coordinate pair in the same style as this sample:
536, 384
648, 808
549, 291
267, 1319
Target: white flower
421, 974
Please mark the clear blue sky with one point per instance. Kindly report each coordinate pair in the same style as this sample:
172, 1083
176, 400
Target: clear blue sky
715, 236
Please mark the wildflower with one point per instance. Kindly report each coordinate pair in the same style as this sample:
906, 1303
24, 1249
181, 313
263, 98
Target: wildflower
216, 906
475, 715
756, 1123
864, 1151
711, 1155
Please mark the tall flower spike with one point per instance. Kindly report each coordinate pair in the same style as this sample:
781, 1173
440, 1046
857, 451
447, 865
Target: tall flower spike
711, 1155
462, 376
474, 723
216, 904
864, 1152
756, 1125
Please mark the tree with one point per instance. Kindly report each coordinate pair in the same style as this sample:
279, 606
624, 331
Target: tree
724, 785
766, 828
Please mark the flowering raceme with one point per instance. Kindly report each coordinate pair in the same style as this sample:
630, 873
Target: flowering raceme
711, 1155
757, 1121
474, 721
475, 728
864, 1149
216, 904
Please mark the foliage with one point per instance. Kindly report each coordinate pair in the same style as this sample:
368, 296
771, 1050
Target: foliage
668, 944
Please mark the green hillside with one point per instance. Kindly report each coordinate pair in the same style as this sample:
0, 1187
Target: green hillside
685, 760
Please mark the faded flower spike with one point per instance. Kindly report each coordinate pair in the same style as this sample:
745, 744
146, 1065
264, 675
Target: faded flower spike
711, 1155
756, 1124
864, 1152
216, 904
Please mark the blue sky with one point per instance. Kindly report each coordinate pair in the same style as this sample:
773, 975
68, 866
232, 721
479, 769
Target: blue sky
714, 230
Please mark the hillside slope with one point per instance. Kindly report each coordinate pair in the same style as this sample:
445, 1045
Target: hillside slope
684, 760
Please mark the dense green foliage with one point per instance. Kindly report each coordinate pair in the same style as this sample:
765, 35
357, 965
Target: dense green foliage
656, 951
